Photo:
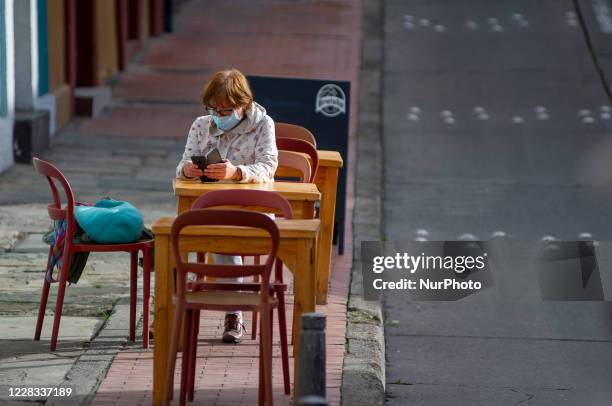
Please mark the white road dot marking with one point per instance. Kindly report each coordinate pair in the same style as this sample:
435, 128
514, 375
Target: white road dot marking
517, 16
542, 116
449, 120
492, 20
408, 25
605, 116
421, 239
479, 110
524, 23
415, 110
517, 120
570, 15
483, 116
605, 108
572, 23
588, 120
584, 112
424, 22
439, 28
585, 235
549, 238
498, 233
471, 25
413, 117
467, 237
497, 28
408, 17
540, 109
422, 232
446, 113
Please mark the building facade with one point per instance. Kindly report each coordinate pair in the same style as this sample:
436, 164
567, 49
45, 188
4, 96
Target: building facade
56, 55
7, 88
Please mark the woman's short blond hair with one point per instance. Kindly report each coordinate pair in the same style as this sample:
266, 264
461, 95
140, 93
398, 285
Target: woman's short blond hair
228, 87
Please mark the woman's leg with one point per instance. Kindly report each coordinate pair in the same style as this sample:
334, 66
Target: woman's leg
232, 333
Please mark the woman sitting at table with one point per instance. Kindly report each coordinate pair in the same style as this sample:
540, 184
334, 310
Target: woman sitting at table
244, 136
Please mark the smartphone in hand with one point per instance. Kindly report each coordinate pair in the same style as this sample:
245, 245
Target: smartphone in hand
213, 157
202, 162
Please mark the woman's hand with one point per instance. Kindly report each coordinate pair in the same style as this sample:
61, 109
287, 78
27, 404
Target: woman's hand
191, 170
223, 170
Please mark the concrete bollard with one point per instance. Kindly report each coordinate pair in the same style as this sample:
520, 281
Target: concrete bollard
311, 362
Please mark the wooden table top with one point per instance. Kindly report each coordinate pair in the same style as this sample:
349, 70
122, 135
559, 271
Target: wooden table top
291, 190
287, 229
330, 158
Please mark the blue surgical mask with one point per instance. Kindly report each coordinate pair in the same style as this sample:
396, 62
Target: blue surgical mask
226, 123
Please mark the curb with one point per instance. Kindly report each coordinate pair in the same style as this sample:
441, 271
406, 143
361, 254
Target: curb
363, 370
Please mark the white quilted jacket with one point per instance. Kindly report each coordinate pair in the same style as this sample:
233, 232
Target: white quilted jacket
251, 146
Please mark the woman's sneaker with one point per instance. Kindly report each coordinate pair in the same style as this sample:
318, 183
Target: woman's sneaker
233, 328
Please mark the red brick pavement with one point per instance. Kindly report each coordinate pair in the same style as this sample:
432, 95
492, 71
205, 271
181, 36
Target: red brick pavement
159, 98
277, 38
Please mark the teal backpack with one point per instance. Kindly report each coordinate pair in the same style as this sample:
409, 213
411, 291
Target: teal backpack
110, 221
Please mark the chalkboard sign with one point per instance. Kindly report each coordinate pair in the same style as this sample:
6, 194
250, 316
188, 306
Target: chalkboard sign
322, 106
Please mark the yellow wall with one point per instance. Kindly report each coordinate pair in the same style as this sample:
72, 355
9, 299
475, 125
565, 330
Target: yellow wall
57, 41
57, 62
106, 40
144, 20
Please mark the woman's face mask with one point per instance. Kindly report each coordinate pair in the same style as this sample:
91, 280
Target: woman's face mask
225, 118
226, 123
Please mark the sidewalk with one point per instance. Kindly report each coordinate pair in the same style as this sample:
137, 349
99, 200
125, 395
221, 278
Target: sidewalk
227, 374
130, 153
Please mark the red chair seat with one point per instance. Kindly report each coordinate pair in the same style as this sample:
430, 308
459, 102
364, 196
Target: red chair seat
243, 300
113, 247
248, 286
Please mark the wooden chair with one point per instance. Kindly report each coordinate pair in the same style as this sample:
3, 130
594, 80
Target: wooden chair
296, 163
57, 213
266, 200
284, 130
227, 296
298, 169
301, 146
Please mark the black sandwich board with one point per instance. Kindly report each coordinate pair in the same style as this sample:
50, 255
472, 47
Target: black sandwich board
322, 106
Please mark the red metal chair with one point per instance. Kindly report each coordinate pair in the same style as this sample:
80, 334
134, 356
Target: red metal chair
284, 130
296, 145
226, 296
297, 163
57, 213
267, 200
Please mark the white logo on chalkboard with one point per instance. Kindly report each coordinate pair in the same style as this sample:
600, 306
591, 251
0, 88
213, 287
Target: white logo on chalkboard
331, 101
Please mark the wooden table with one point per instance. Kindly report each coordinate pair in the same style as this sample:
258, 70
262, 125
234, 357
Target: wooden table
297, 249
302, 196
326, 180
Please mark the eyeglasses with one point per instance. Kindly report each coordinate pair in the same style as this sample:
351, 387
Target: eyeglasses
219, 112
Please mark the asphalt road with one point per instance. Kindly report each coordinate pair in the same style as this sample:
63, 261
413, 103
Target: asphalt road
495, 118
